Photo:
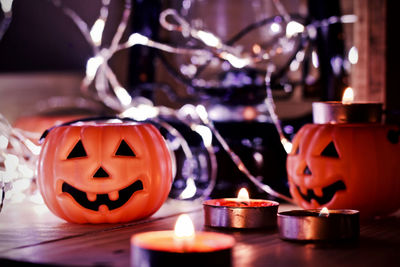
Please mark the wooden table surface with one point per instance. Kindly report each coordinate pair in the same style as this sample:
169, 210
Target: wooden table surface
32, 235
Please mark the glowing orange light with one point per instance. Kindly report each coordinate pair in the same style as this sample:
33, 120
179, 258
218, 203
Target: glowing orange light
348, 96
256, 48
249, 113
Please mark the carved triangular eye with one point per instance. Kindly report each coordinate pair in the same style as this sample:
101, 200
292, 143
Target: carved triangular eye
78, 151
124, 150
330, 151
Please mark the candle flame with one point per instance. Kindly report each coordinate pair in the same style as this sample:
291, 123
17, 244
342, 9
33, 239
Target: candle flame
324, 212
348, 96
243, 195
184, 228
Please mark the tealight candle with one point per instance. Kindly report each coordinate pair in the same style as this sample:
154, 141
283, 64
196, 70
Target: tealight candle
319, 225
346, 111
181, 247
241, 212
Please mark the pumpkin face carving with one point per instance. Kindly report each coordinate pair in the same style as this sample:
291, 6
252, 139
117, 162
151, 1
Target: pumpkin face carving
343, 166
99, 173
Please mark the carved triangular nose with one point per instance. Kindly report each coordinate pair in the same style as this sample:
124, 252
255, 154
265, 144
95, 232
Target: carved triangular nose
101, 173
307, 171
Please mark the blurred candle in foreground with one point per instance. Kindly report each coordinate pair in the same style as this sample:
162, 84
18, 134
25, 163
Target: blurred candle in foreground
181, 247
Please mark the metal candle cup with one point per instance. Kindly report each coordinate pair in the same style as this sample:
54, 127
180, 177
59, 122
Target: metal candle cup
338, 112
158, 248
235, 213
181, 247
309, 225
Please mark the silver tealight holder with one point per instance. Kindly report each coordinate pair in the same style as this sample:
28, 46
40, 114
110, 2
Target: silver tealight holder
339, 112
319, 225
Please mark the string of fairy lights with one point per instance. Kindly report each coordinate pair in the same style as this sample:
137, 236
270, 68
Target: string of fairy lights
7, 16
18, 154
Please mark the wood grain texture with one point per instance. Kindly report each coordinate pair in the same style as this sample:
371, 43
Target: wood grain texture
27, 224
369, 74
48, 240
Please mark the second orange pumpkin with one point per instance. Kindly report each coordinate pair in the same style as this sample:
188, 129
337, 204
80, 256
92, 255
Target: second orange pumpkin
346, 166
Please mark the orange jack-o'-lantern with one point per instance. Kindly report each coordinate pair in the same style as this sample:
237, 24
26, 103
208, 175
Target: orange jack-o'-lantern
104, 173
346, 166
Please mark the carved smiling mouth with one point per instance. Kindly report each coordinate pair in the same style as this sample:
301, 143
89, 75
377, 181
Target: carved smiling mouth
102, 199
327, 193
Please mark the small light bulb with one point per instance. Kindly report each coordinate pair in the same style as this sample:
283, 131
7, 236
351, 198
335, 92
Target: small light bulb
209, 39
293, 28
123, 95
3, 142
190, 190
6, 5
353, 55
97, 31
275, 27
93, 65
137, 38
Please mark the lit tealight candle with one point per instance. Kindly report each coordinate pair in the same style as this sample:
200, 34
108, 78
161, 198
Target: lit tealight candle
346, 111
241, 212
324, 212
181, 247
319, 225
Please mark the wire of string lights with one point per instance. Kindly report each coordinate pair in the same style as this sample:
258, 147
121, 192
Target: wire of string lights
101, 83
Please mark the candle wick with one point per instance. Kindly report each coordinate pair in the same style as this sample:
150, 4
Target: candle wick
185, 246
244, 203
